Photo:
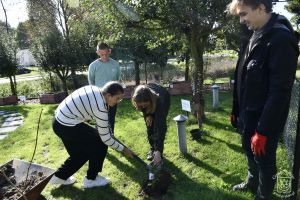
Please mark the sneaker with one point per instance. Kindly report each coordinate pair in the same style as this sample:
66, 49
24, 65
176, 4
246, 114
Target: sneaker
99, 181
150, 155
58, 181
245, 186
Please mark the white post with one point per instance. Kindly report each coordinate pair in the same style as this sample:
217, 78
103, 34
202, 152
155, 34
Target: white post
215, 89
180, 119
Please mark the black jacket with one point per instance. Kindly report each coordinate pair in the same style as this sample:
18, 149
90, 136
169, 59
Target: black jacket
159, 125
264, 78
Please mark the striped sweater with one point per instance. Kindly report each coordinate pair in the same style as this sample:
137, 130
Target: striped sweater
87, 103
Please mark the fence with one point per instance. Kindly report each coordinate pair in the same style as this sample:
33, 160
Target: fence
215, 68
292, 142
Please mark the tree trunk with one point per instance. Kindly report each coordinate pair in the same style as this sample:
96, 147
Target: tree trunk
187, 65
64, 85
74, 79
51, 82
197, 50
15, 84
137, 72
146, 73
12, 86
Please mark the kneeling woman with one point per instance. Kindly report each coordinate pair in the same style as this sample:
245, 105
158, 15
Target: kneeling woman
83, 142
154, 101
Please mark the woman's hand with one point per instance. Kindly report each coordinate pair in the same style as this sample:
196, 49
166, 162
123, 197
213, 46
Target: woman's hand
149, 120
157, 158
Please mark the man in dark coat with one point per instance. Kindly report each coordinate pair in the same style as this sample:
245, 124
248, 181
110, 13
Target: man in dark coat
263, 81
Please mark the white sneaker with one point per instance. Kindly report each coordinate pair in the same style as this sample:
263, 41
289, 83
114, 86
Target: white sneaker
99, 181
58, 181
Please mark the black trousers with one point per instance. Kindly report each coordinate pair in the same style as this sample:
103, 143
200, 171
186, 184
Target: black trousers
83, 144
111, 116
261, 169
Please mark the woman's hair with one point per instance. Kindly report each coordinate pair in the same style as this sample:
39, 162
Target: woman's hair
142, 94
113, 88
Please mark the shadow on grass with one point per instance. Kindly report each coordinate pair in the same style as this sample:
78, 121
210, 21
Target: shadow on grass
215, 124
230, 179
234, 147
96, 193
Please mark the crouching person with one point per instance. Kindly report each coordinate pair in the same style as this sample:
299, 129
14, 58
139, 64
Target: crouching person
154, 102
83, 142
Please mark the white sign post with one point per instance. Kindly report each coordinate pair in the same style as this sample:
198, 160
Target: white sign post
186, 106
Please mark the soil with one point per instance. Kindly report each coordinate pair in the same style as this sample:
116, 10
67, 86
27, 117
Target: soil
10, 192
157, 187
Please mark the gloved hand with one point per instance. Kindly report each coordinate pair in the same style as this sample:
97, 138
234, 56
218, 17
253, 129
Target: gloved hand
233, 120
258, 144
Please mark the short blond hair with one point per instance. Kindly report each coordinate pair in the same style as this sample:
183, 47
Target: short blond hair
232, 7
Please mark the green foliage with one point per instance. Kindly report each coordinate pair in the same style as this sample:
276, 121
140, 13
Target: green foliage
8, 62
22, 37
294, 7
30, 89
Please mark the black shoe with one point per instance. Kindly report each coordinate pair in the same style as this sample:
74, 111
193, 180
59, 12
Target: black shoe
245, 186
150, 155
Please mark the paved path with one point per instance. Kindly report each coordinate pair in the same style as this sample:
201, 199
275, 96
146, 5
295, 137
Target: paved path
9, 121
21, 78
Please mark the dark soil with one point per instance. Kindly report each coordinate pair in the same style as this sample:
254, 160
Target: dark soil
157, 187
9, 191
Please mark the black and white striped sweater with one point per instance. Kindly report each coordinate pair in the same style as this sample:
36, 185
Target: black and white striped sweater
87, 103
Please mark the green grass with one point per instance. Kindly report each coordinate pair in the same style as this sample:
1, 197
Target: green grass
298, 73
209, 170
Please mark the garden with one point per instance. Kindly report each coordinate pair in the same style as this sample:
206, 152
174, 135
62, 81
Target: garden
213, 164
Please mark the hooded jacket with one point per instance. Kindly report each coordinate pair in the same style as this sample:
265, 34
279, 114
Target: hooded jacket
158, 128
264, 78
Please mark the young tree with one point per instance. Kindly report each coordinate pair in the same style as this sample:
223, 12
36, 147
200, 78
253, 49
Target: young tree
57, 14
8, 53
194, 19
8, 61
49, 51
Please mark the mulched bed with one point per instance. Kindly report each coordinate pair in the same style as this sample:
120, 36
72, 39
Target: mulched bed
11, 192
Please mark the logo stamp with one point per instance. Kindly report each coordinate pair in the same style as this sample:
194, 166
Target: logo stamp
284, 184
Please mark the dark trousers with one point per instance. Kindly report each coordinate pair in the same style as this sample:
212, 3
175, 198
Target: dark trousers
111, 116
83, 144
261, 169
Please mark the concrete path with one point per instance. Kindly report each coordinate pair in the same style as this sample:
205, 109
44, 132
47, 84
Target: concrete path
9, 122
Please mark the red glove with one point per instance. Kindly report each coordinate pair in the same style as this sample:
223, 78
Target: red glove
233, 121
258, 143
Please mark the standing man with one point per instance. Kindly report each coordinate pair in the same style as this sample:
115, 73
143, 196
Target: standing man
263, 82
103, 70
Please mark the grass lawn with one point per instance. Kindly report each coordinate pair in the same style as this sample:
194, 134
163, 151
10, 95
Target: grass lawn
213, 164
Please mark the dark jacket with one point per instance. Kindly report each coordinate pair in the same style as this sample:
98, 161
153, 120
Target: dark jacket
159, 126
264, 78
